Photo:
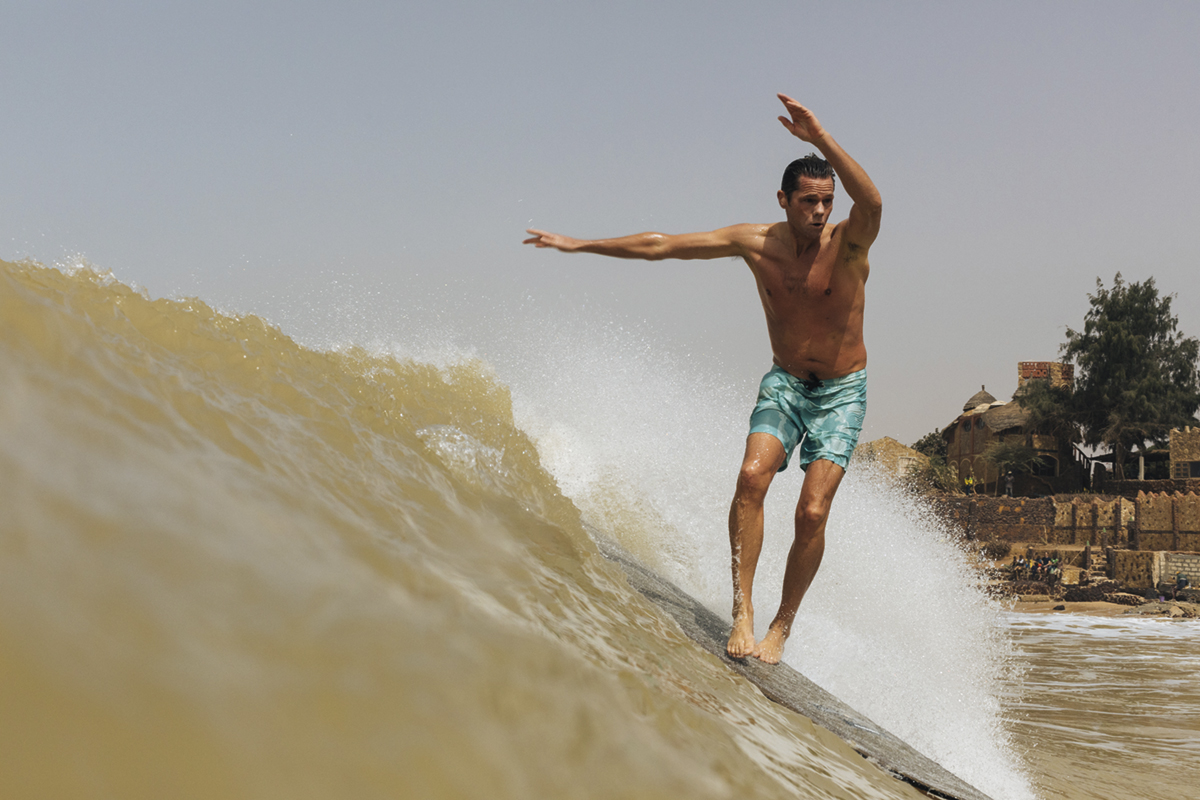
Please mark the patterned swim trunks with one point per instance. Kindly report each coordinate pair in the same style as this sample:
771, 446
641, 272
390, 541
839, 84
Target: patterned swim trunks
827, 415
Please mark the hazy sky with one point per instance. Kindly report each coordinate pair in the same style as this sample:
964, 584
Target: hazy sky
353, 170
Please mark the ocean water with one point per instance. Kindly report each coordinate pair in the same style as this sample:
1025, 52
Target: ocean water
233, 565
1111, 706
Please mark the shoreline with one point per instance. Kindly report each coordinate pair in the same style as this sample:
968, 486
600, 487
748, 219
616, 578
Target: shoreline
1098, 608
1166, 609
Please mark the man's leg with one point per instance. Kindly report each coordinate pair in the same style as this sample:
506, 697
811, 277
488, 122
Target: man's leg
821, 482
764, 454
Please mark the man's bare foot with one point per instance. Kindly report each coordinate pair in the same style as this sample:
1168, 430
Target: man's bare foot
741, 638
770, 649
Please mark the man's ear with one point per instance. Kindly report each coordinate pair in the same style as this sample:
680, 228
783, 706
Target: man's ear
782, 198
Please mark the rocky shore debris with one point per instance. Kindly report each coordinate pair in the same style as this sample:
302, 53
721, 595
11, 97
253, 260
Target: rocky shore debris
1028, 578
1172, 609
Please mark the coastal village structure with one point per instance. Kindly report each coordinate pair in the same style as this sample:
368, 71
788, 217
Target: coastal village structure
986, 420
1142, 535
1138, 541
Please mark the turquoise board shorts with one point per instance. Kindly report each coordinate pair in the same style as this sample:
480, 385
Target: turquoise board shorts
827, 415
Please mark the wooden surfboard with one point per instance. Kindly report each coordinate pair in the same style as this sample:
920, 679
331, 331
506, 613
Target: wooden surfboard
789, 688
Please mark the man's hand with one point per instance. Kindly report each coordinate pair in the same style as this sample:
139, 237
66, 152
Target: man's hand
862, 226
803, 125
547, 239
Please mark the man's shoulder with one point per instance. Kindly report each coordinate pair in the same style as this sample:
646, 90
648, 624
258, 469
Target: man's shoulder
748, 236
750, 230
759, 232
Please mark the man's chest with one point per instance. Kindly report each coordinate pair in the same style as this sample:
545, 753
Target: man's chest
812, 280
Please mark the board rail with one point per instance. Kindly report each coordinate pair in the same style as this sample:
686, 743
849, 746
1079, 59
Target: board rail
784, 685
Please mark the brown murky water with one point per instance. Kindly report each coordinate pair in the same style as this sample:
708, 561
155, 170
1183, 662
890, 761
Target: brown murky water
1109, 707
235, 567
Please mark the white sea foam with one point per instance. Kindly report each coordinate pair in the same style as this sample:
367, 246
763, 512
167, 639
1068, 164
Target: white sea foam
648, 445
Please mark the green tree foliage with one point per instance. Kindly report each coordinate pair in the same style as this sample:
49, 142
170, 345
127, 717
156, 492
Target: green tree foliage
1136, 373
936, 475
1049, 411
932, 444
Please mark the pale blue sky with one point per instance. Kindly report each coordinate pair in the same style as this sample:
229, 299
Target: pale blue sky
366, 170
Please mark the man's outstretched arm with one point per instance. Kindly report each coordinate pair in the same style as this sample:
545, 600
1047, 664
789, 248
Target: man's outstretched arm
863, 224
720, 243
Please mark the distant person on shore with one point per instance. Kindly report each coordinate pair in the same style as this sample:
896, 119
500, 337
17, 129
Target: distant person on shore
1008, 484
1041, 568
811, 278
969, 483
1020, 568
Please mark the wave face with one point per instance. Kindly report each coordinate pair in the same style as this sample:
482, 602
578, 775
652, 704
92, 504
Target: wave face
235, 567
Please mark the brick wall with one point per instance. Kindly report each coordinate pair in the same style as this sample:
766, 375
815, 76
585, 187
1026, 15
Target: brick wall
1187, 563
1056, 372
1140, 570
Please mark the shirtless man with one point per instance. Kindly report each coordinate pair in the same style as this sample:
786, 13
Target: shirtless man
811, 279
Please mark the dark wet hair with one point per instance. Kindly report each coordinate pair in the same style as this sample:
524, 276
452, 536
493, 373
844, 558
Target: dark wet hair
811, 166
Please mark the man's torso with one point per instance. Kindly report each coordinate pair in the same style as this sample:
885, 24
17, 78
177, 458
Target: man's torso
813, 302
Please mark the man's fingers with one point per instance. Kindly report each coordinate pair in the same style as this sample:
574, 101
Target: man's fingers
539, 238
795, 109
792, 105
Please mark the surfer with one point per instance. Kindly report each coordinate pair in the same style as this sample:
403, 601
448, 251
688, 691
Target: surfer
811, 278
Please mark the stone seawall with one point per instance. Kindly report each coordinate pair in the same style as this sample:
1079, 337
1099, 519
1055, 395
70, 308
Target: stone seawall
1010, 519
1140, 570
1167, 522
1147, 522
1092, 520
1131, 489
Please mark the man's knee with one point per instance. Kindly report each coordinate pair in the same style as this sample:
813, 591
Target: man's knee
811, 512
753, 481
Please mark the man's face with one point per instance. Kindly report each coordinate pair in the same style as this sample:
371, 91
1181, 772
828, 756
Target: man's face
809, 206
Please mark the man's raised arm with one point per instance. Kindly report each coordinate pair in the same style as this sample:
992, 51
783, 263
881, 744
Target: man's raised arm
731, 241
863, 225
